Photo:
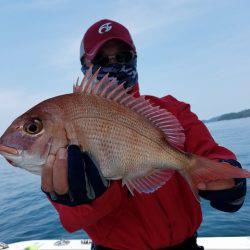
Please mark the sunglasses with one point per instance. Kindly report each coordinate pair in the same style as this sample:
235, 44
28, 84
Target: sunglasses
120, 57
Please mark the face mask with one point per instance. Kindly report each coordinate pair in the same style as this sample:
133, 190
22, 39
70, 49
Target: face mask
122, 72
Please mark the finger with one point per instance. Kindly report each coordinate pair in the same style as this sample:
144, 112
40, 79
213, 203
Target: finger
221, 184
217, 185
76, 170
60, 172
77, 175
95, 177
47, 175
201, 186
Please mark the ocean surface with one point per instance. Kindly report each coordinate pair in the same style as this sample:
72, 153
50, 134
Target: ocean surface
26, 214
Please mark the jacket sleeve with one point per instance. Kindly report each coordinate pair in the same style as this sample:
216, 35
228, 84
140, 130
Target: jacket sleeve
199, 141
81, 216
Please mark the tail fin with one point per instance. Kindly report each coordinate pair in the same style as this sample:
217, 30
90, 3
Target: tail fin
205, 170
202, 170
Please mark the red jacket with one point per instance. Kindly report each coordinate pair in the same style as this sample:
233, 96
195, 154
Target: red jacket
148, 221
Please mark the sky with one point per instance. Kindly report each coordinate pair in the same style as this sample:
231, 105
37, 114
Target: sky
195, 50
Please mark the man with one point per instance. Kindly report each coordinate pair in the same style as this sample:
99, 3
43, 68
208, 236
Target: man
112, 217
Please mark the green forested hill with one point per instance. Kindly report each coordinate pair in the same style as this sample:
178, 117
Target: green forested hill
242, 114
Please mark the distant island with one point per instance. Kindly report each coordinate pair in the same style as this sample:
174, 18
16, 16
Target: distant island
242, 114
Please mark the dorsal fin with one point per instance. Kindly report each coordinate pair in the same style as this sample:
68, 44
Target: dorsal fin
111, 90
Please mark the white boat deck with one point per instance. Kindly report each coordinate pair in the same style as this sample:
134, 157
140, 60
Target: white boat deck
210, 243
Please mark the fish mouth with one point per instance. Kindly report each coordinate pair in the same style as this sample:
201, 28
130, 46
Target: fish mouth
5, 150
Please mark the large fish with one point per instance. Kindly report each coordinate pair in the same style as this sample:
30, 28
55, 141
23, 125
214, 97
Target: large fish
127, 137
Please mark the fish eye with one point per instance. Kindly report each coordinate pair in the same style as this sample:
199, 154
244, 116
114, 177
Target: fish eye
33, 127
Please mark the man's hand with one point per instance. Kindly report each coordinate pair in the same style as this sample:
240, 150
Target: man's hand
55, 173
225, 195
217, 185
72, 178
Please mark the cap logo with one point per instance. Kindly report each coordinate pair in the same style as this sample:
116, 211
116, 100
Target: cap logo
106, 27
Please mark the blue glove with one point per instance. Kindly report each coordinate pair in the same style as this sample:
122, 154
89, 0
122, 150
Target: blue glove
86, 182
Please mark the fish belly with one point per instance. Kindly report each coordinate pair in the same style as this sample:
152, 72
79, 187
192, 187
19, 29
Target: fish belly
120, 151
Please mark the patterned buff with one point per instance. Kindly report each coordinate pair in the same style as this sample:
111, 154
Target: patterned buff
122, 72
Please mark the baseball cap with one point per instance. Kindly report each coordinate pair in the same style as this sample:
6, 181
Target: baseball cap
101, 32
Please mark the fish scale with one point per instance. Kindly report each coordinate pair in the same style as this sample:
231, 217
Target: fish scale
118, 142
